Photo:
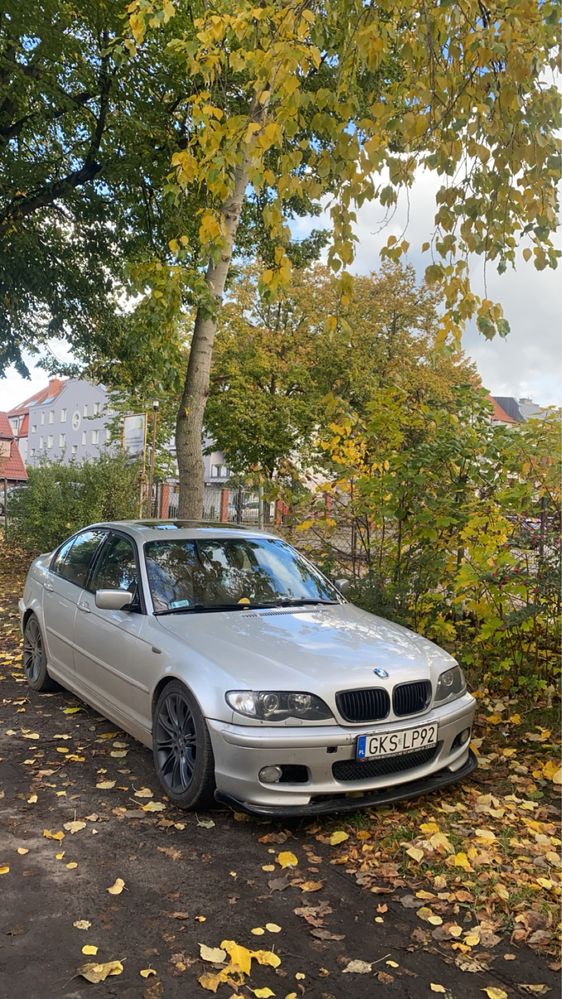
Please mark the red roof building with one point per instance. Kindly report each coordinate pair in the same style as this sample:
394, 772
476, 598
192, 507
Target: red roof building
12, 467
19, 416
499, 414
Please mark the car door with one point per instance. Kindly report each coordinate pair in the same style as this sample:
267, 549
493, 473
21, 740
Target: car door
66, 577
111, 653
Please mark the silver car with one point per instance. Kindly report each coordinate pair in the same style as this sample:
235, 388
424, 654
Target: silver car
252, 679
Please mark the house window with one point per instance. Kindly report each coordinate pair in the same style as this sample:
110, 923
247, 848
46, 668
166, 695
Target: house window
97, 408
33, 428
85, 409
51, 416
50, 440
214, 471
63, 415
62, 439
84, 437
74, 450
42, 418
95, 436
40, 443
31, 452
223, 471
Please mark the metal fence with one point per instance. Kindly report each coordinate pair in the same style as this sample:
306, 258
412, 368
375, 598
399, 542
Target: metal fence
221, 505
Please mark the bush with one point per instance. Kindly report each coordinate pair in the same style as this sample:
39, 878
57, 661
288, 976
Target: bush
60, 499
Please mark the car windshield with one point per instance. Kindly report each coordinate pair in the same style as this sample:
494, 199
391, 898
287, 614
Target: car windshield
231, 574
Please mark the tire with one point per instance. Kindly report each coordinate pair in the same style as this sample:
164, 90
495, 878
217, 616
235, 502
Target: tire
34, 658
183, 755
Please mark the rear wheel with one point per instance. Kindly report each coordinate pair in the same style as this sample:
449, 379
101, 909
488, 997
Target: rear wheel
183, 755
34, 658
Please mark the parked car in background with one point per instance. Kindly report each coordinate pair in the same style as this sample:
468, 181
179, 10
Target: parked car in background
248, 673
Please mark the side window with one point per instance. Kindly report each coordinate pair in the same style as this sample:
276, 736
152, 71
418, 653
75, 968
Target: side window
73, 560
117, 566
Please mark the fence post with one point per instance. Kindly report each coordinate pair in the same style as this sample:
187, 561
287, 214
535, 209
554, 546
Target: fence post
225, 496
164, 510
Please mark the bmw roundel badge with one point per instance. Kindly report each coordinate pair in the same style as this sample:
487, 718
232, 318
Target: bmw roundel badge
380, 672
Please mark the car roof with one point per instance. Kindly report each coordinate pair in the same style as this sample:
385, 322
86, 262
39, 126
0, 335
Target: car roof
152, 530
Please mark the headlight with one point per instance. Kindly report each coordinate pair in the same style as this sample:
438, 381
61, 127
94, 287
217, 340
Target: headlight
451, 684
276, 705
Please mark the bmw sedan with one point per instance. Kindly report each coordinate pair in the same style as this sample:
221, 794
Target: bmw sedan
253, 680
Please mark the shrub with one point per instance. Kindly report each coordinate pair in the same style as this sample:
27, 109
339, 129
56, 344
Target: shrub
60, 499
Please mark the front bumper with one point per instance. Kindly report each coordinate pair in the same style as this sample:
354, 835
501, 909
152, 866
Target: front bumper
241, 751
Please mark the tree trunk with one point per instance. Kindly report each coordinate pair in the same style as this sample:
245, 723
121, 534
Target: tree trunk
189, 424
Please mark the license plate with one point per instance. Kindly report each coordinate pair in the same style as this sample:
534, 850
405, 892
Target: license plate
396, 743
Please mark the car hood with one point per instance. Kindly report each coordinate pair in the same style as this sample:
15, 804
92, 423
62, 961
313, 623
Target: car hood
297, 648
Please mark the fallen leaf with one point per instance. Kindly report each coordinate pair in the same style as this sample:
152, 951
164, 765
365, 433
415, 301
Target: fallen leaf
72, 865
338, 837
32, 800
273, 928
82, 924
357, 968
147, 972
493, 993
437, 988
105, 785
22, 851
144, 792
154, 806
95, 973
4, 869
117, 887
205, 823
89, 949
287, 859
258, 931
310, 886
262, 993
415, 853
71, 711
51, 835
213, 954
74, 827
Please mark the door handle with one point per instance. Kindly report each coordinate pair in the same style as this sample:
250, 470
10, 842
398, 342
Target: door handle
48, 586
84, 607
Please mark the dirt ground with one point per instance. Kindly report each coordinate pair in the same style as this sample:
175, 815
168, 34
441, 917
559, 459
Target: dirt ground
192, 880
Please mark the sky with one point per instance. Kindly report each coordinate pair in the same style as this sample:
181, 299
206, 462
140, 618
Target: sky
525, 364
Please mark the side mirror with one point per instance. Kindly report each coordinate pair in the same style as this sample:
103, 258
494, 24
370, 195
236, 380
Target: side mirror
343, 585
113, 599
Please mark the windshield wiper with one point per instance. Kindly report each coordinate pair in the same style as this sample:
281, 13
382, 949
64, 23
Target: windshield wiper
210, 607
300, 602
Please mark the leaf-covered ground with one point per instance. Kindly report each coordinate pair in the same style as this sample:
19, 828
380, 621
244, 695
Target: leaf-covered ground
104, 881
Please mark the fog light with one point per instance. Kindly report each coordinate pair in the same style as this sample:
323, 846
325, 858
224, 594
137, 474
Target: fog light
464, 736
270, 775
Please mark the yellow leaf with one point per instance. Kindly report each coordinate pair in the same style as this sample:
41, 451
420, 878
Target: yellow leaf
472, 939
338, 837
502, 892
22, 851
493, 993
287, 859
392, 964
95, 973
209, 980
266, 957
147, 972
70, 711
262, 993
143, 792
311, 885
258, 931
273, 928
240, 957
59, 856
415, 853
428, 828
32, 800
82, 924
5, 869
105, 785
74, 827
515, 719
117, 887
213, 954
437, 988
72, 865
494, 719
89, 949
435, 920
153, 806
51, 835
461, 860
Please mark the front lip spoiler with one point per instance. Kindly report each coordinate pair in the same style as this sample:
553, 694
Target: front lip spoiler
424, 785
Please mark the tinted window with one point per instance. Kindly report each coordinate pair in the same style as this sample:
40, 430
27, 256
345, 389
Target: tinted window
73, 560
117, 567
229, 572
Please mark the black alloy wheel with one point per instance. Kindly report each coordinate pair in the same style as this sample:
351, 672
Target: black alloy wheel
34, 658
183, 755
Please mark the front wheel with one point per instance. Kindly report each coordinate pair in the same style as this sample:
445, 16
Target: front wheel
183, 755
34, 658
